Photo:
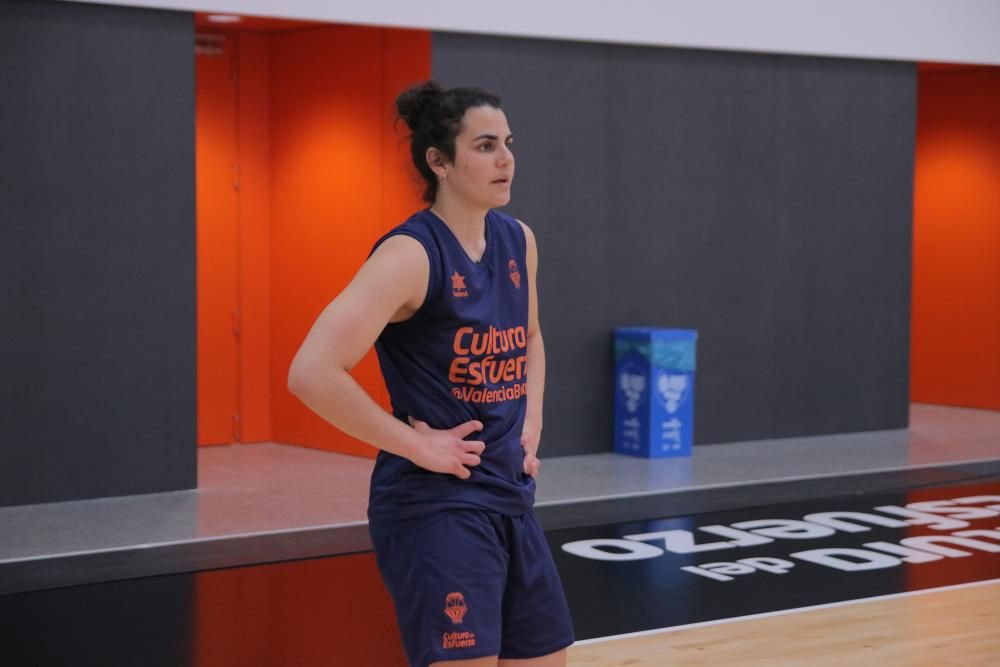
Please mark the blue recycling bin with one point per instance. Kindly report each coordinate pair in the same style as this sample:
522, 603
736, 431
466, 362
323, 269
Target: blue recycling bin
654, 391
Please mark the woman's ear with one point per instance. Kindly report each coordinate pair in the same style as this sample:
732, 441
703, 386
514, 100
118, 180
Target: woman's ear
436, 160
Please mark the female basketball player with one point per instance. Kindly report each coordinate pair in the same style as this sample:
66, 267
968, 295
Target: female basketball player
448, 299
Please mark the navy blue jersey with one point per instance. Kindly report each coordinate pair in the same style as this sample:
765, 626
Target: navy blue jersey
461, 356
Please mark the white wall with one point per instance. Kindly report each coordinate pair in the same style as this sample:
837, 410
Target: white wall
960, 31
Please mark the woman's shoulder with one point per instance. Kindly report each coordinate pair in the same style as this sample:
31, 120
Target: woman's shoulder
505, 219
512, 226
418, 228
418, 220
509, 223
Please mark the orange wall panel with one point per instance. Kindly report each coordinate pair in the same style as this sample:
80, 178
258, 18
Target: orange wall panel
328, 183
254, 129
955, 347
217, 242
325, 197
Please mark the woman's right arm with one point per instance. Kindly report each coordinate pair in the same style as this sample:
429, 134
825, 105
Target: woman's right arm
391, 282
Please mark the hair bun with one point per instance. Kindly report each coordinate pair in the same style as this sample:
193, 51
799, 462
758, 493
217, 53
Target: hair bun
416, 100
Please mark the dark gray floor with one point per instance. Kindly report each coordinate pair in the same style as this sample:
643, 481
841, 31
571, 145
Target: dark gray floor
268, 502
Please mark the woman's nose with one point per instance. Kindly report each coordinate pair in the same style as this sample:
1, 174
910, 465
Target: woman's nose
505, 156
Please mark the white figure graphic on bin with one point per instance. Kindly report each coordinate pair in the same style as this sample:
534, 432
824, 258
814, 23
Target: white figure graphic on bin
632, 387
672, 389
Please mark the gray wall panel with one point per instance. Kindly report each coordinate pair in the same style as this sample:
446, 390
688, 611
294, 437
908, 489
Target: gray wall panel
763, 200
97, 252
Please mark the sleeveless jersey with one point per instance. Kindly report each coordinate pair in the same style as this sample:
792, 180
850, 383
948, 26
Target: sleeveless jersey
461, 356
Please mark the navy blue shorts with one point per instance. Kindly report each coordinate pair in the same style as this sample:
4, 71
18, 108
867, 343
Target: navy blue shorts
473, 584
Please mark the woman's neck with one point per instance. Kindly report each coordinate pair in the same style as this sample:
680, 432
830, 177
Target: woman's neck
467, 223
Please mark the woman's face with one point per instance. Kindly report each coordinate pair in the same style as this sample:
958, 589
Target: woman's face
484, 164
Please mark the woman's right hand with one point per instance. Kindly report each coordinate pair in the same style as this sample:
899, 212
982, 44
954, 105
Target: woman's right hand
445, 451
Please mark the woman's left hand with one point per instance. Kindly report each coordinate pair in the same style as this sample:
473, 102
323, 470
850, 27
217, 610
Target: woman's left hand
529, 443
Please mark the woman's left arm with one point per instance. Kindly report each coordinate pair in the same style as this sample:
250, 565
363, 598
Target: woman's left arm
532, 433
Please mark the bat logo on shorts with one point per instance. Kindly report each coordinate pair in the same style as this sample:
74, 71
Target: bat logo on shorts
454, 607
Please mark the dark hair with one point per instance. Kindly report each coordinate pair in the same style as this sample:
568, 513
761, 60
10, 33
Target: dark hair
434, 116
